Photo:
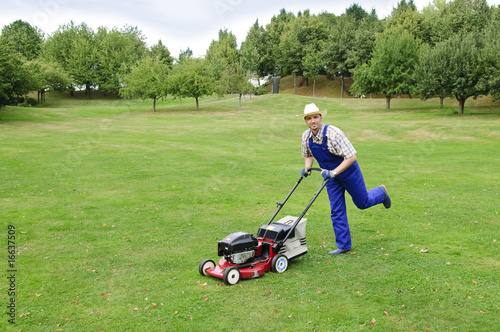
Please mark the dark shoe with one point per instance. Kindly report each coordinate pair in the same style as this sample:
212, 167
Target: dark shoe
339, 251
387, 198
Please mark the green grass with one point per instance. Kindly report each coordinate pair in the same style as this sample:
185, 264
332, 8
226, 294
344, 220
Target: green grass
115, 206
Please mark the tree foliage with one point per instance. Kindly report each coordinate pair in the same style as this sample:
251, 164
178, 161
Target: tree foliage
491, 54
381, 55
14, 77
46, 75
147, 80
453, 68
193, 78
222, 53
391, 70
119, 51
23, 38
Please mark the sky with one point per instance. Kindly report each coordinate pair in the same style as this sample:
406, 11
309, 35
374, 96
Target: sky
179, 24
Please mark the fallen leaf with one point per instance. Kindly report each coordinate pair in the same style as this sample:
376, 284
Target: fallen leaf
475, 283
205, 298
373, 321
154, 305
386, 313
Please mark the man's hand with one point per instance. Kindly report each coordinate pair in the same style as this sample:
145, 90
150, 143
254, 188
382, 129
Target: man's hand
326, 174
305, 172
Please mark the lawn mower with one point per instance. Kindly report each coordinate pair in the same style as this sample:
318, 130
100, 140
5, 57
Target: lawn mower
248, 256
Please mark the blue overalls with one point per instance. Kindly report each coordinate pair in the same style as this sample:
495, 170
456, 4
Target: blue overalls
351, 180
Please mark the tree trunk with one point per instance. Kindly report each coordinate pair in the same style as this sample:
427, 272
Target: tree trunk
239, 106
461, 104
341, 87
314, 87
294, 83
388, 102
181, 100
441, 99
197, 104
154, 104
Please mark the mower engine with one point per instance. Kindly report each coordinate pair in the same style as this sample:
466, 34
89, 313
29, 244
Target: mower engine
238, 247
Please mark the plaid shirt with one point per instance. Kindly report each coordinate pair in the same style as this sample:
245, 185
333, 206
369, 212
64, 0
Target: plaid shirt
338, 143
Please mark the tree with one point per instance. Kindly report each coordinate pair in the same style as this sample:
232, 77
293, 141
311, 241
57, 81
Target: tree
119, 51
491, 53
427, 84
183, 55
236, 79
454, 67
147, 80
305, 33
82, 60
351, 38
23, 38
47, 75
193, 78
161, 52
407, 17
391, 69
456, 17
14, 78
357, 12
222, 53
251, 51
74, 48
313, 65
271, 42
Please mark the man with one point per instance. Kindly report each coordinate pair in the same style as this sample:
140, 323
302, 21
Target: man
337, 157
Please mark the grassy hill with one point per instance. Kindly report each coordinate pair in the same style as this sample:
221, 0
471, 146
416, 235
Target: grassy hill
325, 87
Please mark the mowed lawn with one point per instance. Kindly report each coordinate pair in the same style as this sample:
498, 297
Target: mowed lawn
114, 207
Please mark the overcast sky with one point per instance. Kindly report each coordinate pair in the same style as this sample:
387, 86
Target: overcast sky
179, 24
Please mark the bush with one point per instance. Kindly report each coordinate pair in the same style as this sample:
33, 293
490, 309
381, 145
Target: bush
259, 91
28, 102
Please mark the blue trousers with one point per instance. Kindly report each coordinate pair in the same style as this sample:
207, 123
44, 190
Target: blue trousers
352, 181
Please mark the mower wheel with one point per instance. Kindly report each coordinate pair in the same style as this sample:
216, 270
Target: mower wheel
231, 276
279, 264
205, 265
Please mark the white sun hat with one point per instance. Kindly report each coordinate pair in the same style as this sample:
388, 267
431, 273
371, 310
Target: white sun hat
312, 109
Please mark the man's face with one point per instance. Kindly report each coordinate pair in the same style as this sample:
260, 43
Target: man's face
314, 122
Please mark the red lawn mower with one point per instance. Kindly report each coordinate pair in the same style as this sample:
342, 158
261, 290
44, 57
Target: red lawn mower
247, 256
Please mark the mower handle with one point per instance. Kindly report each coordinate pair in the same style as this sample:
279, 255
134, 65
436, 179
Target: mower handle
280, 204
